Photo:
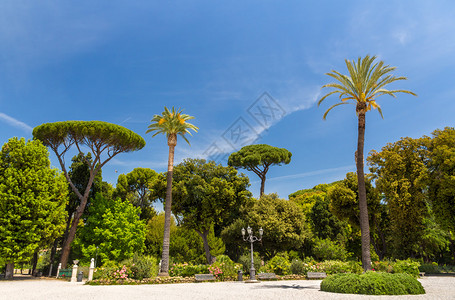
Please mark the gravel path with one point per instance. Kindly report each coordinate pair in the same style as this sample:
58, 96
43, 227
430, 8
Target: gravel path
436, 288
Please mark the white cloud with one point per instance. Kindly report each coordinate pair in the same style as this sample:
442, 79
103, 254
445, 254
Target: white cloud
16, 123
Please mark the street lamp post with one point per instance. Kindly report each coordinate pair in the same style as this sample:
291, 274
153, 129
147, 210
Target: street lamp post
251, 239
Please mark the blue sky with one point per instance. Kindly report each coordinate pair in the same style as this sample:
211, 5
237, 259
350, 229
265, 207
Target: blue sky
123, 61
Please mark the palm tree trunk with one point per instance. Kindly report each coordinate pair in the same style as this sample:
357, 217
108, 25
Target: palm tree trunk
364, 223
172, 142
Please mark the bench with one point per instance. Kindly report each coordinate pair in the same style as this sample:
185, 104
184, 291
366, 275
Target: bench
267, 276
421, 274
316, 275
204, 277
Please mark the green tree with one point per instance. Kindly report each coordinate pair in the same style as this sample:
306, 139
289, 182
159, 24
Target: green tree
170, 123
401, 175
344, 203
114, 227
206, 194
102, 139
442, 176
185, 246
32, 201
138, 188
283, 223
259, 158
366, 82
441, 167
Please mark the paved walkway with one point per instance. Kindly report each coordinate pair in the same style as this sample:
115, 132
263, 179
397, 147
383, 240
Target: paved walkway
436, 288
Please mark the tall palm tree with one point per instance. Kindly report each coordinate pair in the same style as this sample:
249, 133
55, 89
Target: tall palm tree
171, 123
366, 81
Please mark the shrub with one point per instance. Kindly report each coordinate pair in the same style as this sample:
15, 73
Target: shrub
406, 266
336, 266
430, 268
142, 266
187, 270
327, 249
383, 266
279, 264
297, 267
245, 261
224, 267
372, 283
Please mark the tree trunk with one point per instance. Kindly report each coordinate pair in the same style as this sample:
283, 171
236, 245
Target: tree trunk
52, 256
77, 216
205, 241
34, 263
172, 142
364, 223
9, 272
262, 186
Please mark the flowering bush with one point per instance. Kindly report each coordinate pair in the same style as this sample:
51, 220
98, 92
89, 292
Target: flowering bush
123, 273
224, 268
142, 266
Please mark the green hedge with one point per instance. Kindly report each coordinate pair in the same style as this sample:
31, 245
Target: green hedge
372, 283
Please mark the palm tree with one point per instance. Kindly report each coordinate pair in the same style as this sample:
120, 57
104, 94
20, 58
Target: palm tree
171, 123
366, 81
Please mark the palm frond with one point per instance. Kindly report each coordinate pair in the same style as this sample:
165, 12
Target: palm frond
333, 106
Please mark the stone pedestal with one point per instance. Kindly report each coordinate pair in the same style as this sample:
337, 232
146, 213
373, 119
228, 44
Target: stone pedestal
74, 274
91, 270
58, 269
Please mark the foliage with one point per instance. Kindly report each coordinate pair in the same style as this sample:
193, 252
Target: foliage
430, 268
32, 200
324, 224
154, 234
259, 158
185, 246
279, 264
224, 268
407, 266
206, 194
172, 122
372, 283
297, 267
302, 267
283, 223
142, 266
324, 249
187, 270
137, 187
245, 261
344, 199
401, 175
441, 167
114, 227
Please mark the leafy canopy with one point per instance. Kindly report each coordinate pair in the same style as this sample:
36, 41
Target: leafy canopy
252, 156
32, 200
366, 81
